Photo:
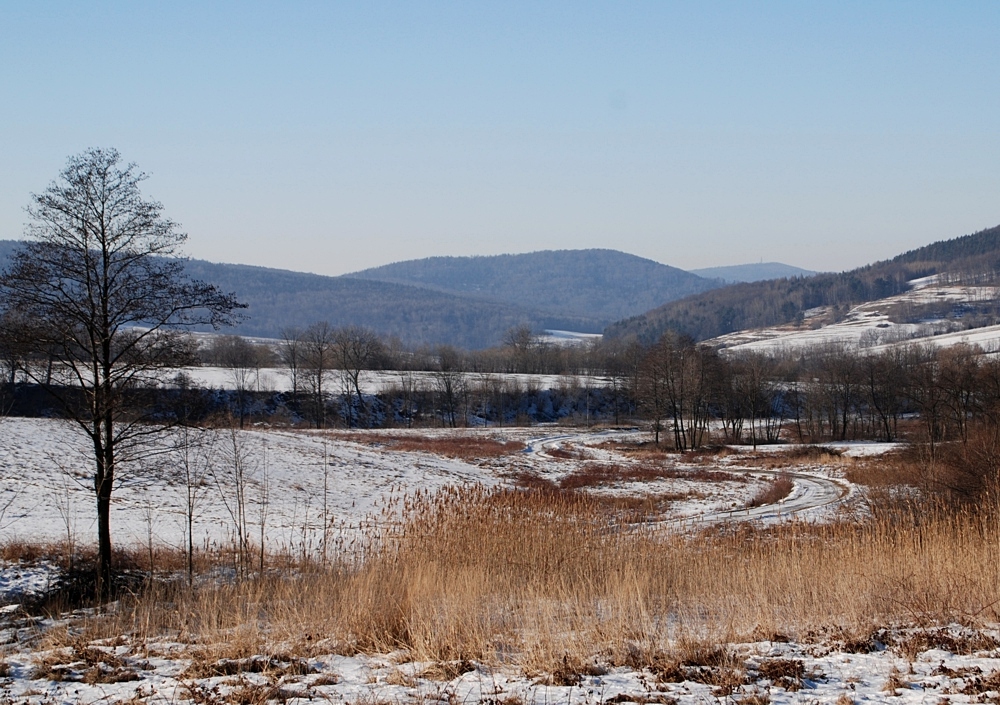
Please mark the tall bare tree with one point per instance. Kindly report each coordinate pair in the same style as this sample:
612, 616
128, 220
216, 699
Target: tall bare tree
291, 353
357, 350
101, 282
316, 347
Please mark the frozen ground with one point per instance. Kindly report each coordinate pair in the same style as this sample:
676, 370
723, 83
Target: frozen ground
46, 495
868, 325
48, 498
759, 672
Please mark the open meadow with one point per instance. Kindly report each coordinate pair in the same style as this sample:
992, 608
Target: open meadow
506, 565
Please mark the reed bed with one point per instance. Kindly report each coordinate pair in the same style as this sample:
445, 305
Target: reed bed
548, 577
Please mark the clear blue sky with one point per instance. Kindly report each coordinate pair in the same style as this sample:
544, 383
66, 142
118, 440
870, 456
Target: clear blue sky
330, 137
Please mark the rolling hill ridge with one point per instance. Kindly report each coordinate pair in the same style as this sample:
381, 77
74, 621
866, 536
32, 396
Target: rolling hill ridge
972, 258
601, 284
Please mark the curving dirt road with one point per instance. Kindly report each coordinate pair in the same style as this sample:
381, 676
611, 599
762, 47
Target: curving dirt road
809, 492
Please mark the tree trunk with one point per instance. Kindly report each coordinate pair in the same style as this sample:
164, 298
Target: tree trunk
104, 542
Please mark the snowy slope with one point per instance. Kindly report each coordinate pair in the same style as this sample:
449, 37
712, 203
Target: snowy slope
868, 326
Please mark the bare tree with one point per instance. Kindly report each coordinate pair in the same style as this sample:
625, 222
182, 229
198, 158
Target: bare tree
194, 455
317, 344
102, 283
232, 478
357, 350
450, 383
291, 353
240, 357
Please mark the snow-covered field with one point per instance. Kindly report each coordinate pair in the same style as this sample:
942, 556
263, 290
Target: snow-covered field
47, 469
376, 381
868, 326
46, 495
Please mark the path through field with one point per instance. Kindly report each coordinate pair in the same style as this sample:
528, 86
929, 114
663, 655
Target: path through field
810, 491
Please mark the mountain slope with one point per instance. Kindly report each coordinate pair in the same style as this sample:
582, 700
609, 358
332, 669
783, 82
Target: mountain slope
279, 299
973, 258
601, 284
752, 272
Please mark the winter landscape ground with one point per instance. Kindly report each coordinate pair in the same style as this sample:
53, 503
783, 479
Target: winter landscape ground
411, 566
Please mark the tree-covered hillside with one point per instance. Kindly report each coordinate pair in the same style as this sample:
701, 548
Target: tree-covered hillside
279, 298
601, 284
767, 303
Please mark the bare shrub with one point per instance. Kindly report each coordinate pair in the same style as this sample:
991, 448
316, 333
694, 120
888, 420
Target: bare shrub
465, 447
776, 490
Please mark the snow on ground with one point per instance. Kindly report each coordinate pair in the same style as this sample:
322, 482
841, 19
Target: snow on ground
868, 326
46, 468
762, 672
568, 337
45, 464
47, 495
376, 381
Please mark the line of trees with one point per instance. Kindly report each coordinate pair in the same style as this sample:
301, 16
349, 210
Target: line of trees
836, 393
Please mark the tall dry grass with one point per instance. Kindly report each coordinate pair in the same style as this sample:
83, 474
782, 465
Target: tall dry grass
538, 577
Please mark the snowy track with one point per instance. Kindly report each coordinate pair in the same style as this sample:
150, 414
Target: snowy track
539, 447
810, 492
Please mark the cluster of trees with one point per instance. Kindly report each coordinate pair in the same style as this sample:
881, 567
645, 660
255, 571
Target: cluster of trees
692, 394
837, 393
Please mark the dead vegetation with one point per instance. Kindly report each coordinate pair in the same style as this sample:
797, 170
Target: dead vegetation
550, 580
603, 474
778, 489
459, 446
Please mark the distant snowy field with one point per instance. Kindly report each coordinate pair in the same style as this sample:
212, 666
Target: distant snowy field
373, 382
867, 326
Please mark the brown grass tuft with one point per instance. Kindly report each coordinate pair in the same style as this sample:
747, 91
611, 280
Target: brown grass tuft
776, 490
464, 447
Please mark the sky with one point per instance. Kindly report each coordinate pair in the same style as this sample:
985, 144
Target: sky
330, 137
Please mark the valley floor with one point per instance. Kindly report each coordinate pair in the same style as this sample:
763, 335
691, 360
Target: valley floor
299, 482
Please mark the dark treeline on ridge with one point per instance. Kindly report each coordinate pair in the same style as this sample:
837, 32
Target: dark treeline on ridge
973, 258
596, 283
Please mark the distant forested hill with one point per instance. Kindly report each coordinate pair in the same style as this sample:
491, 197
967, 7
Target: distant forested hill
600, 284
752, 272
279, 298
753, 305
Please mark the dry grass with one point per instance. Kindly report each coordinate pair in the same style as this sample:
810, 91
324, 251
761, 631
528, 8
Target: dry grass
775, 491
798, 456
650, 452
551, 581
890, 471
464, 447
